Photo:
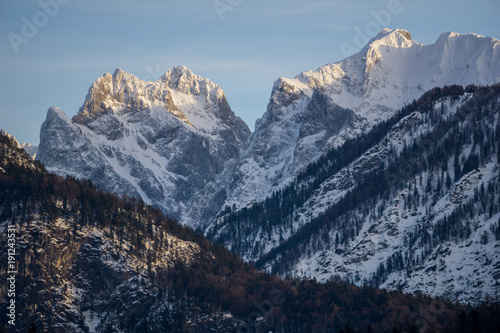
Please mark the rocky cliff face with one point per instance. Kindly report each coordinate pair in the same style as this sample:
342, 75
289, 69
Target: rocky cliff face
162, 141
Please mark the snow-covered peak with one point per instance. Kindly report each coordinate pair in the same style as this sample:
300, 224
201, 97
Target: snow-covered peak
54, 111
163, 141
362, 61
450, 34
319, 109
112, 93
471, 44
399, 38
30, 149
183, 80
195, 100
393, 69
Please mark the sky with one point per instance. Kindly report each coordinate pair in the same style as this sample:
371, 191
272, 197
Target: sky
52, 50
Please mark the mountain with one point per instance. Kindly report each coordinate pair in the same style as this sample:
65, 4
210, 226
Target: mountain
161, 141
295, 200
198, 151
88, 261
412, 205
30, 149
360, 171
318, 110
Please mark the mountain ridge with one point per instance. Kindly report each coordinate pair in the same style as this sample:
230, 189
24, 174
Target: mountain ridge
213, 168
146, 139
392, 208
320, 109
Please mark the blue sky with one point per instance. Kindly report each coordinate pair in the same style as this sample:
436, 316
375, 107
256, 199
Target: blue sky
243, 45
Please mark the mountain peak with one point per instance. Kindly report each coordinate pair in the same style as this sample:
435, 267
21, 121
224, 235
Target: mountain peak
162, 140
183, 80
398, 38
12, 153
124, 92
119, 71
469, 40
10, 137
323, 107
181, 70
451, 34
55, 111
386, 32
393, 55
121, 76
177, 75
195, 100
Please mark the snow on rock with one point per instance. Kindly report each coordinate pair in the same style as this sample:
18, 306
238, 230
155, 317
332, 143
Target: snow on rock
161, 141
319, 109
401, 238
